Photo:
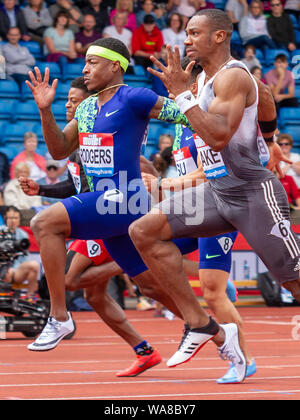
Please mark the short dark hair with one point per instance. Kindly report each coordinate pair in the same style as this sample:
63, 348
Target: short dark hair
11, 208
58, 15
218, 19
196, 69
78, 83
114, 45
281, 57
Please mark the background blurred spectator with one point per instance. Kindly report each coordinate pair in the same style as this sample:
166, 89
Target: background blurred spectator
280, 27
149, 8
184, 7
147, 40
86, 35
174, 33
11, 15
292, 7
202, 4
292, 191
51, 178
13, 194
36, 162
253, 27
165, 140
249, 57
18, 59
236, 9
282, 83
37, 18
157, 85
2, 65
73, 12
285, 141
127, 7
257, 72
99, 12
4, 170
60, 42
118, 30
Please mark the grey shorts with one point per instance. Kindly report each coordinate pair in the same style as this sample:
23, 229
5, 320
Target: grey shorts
261, 213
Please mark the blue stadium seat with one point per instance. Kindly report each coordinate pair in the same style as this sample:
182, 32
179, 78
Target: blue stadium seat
55, 72
10, 151
140, 78
295, 64
272, 54
34, 49
59, 111
9, 89
62, 91
73, 70
155, 130
294, 131
149, 150
297, 92
294, 22
14, 132
27, 110
7, 108
289, 116
37, 129
220, 4
297, 36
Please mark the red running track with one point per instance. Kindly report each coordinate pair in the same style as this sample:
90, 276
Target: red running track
84, 367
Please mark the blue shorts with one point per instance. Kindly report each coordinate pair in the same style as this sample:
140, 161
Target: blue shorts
112, 228
215, 252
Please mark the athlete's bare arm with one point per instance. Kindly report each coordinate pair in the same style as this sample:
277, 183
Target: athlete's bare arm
60, 143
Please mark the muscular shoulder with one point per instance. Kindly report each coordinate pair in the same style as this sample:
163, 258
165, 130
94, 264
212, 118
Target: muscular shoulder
233, 80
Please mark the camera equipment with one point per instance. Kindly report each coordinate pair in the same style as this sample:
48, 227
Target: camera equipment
23, 315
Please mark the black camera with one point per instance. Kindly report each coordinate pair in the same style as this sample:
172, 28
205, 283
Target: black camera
10, 248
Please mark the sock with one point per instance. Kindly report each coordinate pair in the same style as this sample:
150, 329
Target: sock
211, 328
143, 349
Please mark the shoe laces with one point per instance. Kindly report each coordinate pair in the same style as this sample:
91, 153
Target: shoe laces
52, 327
186, 332
227, 354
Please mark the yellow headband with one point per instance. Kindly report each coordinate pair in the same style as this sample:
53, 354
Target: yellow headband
109, 55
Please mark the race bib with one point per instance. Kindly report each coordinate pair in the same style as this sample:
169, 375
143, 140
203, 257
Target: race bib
74, 170
184, 161
93, 248
263, 150
212, 162
97, 153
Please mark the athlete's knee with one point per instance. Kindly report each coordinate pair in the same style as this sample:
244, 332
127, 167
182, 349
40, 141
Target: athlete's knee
38, 223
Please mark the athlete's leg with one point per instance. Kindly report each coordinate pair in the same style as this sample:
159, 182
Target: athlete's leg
51, 227
213, 284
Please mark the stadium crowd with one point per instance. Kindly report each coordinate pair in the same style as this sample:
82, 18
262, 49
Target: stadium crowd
57, 34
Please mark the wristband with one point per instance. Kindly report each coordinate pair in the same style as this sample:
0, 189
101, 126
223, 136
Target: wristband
185, 101
268, 126
269, 139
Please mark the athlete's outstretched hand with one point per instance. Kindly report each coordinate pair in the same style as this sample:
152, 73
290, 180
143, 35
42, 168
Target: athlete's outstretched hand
29, 186
42, 92
276, 156
175, 79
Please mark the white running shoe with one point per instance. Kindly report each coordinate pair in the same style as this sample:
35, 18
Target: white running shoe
231, 350
53, 332
190, 344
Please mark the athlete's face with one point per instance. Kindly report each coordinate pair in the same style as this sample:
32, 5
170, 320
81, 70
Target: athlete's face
75, 97
199, 40
98, 72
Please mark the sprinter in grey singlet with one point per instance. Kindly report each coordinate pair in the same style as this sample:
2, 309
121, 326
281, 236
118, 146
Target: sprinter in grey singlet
241, 195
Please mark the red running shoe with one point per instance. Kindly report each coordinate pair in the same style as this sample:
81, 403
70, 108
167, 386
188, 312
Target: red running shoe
141, 364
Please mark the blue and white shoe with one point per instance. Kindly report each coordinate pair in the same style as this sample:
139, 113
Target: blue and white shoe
230, 376
231, 291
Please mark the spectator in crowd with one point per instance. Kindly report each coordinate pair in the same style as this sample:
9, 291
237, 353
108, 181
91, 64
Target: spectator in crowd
292, 7
118, 30
202, 4
174, 33
165, 140
24, 269
157, 85
37, 18
257, 72
236, 9
282, 83
184, 7
165, 166
147, 40
51, 178
86, 35
60, 42
253, 28
4, 170
285, 142
11, 16
249, 57
18, 59
13, 194
280, 27
99, 12
75, 17
127, 7
2, 65
292, 191
36, 162
149, 8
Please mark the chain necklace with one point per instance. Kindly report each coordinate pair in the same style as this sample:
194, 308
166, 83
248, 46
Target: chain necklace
103, 90
222, 65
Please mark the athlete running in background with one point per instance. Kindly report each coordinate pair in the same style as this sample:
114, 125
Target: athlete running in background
111, 127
